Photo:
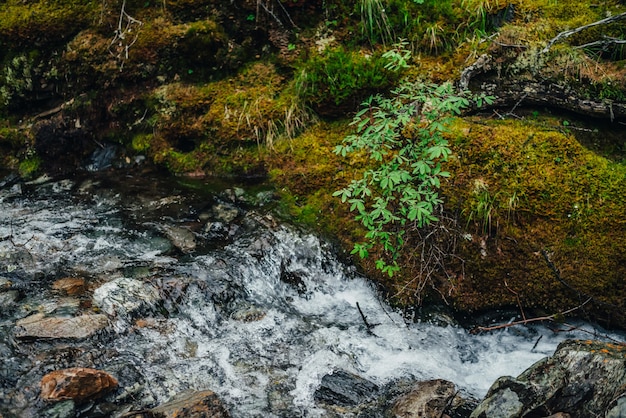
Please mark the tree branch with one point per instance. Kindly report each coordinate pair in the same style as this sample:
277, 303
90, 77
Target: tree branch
568, 33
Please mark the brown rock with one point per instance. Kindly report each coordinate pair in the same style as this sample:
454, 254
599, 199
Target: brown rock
204, 404
76, 383
69, 285
429, 399
40, 326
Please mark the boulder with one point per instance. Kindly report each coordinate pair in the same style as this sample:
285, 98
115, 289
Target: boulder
78, 384
78, 327
191, 404
125, 296
432, 399
582, 379
342, 388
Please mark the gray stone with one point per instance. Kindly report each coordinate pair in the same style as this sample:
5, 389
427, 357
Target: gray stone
582, 378
618, 407
125, 296
78, 327
8, 299
345, 389
65, 409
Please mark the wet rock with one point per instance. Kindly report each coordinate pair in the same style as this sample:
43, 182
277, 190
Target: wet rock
102, 158
225, 212
69, 286
191, 404
13, 191
345, 389
78, 327
617, 409
9, 180
236, 194
248, 314
125, 296
64, 409
220, 230
5, 284
78, 384
181, 238
294, 279
432, 399
8, 299
582, 378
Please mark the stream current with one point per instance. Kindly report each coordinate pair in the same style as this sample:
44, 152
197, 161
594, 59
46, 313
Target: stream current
232, 300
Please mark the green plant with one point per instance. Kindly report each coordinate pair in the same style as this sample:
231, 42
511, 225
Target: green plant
483, 209
375, 23
403, 136
398, 56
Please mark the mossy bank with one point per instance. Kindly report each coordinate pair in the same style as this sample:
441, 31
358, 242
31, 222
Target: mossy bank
533, 212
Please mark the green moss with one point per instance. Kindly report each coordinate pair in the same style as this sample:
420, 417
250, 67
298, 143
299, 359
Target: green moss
141, 142
546, 194
339, 77
29, 167
43, 22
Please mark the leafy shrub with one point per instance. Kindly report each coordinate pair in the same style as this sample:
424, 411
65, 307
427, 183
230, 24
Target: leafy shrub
403, 137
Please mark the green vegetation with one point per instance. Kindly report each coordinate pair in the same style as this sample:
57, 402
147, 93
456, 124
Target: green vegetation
403, 136
339, 78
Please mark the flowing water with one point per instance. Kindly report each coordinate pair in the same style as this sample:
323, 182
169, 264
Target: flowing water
230, 300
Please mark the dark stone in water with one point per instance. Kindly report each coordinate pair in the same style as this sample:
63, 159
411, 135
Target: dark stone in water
9, 180
345, 389
293, 279
102, 158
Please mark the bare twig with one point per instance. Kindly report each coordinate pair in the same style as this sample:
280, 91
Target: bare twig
568, 33
527, 321
126, 35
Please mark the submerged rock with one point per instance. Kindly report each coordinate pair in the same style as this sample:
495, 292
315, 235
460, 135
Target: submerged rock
225, 212
181, 238
78, 327
203, 404
77, 383
125, 296
582, 378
